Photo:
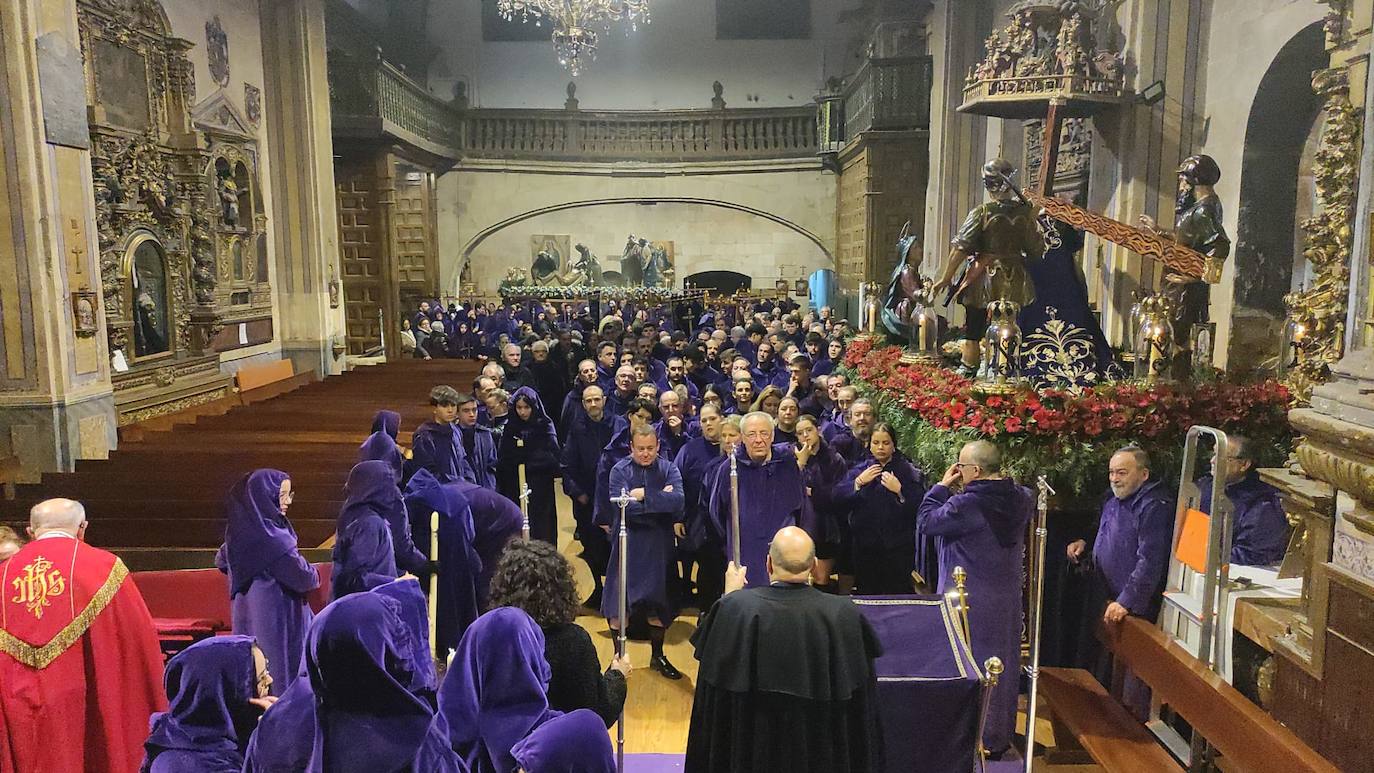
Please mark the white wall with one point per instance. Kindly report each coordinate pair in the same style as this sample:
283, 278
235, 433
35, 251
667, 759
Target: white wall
770, 220
668, 64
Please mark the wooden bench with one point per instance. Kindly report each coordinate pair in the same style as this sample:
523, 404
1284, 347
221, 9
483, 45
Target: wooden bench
1245, 737
1087, 719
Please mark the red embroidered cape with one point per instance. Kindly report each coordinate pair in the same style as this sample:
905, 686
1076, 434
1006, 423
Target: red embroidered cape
80, 667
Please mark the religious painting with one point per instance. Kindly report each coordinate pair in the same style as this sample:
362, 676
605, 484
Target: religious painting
763, 19
148, 280
800, 288
122, 87
217, 50
783, 287
83, 313
548, 255
252, 103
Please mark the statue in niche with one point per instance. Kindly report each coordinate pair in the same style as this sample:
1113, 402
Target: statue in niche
632, 262
149, 291
588, 265
229, 200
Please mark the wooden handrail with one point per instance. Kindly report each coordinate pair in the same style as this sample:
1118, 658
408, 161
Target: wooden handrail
1244, 733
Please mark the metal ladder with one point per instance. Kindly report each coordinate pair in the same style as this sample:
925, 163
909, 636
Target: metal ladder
1195, 602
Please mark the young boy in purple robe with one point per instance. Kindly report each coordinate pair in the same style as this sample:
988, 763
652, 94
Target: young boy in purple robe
479, 442
770, 493
652, 520
496, 689
531, 440
216, 690
381, 444
589, 432
268, 578
374, 690
573, 743
982, 528
436, 445
883, 493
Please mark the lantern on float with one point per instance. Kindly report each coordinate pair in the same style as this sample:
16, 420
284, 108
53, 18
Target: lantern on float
1001, 348
1154, 339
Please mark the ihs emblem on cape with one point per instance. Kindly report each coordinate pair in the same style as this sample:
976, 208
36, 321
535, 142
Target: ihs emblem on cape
38, 586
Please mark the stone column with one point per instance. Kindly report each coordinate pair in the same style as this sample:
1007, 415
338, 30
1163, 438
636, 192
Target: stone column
305, 224
56, 403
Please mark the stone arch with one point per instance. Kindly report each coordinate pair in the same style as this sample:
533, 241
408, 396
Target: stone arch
1282, 116
486, 232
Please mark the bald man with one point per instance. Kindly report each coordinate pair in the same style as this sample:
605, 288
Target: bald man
80, 667
742, 683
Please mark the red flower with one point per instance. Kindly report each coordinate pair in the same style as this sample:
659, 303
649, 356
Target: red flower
1013, 424
957, 410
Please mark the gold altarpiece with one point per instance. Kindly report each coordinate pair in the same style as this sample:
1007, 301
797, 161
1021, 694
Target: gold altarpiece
179, 213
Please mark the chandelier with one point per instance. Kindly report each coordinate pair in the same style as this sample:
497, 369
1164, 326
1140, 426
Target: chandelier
574, 39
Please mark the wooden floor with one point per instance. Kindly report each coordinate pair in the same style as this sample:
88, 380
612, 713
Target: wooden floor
658, 711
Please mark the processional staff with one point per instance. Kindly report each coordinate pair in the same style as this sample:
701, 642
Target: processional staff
1036, 609
622, 611
734, 509
434, 584
524, 497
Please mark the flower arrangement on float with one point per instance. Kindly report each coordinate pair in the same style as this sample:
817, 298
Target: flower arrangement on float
576, 292
1067, 436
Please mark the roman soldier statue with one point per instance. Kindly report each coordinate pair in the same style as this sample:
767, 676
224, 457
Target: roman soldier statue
987, 261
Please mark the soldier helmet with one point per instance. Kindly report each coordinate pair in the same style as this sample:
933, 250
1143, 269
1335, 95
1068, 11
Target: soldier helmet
998, 169
1200, 170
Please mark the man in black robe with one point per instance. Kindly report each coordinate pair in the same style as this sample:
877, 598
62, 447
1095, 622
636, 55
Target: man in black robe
812, 710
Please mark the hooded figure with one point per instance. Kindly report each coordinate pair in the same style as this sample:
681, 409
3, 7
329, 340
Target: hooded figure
573, 743
367, 492
381, 444
983, 529
209, 717
373, 681
268, 578
363, 554
530, 440
461, 591
496, 689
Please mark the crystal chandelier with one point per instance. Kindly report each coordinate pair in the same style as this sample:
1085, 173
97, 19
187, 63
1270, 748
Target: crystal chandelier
574, 39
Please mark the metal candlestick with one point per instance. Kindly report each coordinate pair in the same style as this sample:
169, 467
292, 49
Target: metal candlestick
1042, 508
734, 509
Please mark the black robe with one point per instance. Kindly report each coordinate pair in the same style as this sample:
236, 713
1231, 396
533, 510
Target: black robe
812, 711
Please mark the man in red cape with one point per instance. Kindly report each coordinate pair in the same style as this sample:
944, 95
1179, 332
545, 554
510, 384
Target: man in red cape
80, 668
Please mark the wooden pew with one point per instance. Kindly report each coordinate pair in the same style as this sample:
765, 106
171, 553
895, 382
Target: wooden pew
1245, 736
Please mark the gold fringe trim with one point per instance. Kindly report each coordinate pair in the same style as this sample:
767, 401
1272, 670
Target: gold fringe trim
42, 657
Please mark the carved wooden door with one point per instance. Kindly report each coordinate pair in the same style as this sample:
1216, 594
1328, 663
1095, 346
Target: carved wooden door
362, 257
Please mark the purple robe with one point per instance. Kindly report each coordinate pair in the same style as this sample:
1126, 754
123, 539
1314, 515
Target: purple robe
670, 443
649, 527
439, 448
1259, 527
285, 736
496, 689
983, 530
388, 422
479, 444
268, 578
820, 512
770, 497
882, 528
692, 463
363, 557
208, 719
380, 446
371, 490
495, 521
616, 449
540, 456
373, 687
1131, 551
461, 567
573, 743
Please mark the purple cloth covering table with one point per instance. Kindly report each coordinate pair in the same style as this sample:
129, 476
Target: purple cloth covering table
929, 685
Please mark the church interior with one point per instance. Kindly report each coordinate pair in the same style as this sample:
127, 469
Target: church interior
1117, 253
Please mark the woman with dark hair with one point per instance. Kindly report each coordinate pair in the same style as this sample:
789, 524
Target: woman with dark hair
822, 467
216, 691
464, 342
268, 577
711, 394
535, 577
530, 439
883, 492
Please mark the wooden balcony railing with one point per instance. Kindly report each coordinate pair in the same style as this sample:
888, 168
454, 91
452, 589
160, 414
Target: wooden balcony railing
374, 98
889, 94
